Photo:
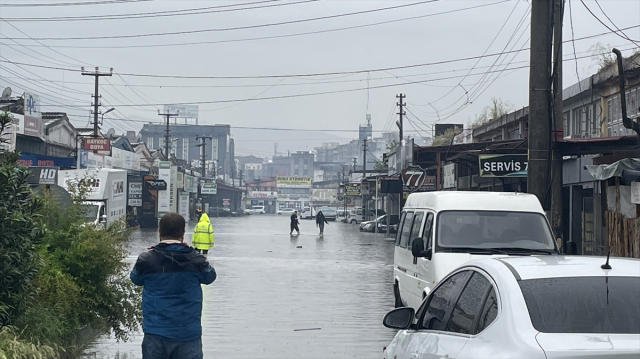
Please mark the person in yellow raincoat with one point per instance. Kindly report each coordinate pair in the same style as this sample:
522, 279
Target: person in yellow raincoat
202, 238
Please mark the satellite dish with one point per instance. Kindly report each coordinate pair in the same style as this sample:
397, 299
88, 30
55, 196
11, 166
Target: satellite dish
111, 132
6, 93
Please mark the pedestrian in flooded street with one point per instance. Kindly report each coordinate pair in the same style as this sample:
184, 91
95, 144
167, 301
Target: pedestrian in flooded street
202, 238
294, 223
171, 273
320, 221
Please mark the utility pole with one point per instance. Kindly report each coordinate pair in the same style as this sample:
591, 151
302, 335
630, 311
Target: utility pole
167, 139
355, 160
399, 148
556, 177
538, 179
203, 164
364, 179
96, 97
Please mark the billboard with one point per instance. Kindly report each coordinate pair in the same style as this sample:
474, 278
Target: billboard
415, 179
503, 165
441, 128
293, 181
209, 188
365, 132
32, 125
164, 200
135, 194
183, 111
43, 175
352, 190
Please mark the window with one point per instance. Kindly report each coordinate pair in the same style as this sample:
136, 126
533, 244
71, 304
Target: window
406, 229
415, 229
583, 304
150, 143
493, 229
442, 300
565, 123
469, 305
489, 312
400, 225
185, 148
428, 231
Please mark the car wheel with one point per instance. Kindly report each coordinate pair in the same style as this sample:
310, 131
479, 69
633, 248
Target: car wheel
353, 221
396, 294
279, 214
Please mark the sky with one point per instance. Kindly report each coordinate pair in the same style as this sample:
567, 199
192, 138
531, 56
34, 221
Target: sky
295, 72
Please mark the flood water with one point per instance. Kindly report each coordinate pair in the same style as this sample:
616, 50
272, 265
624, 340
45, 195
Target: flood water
280, 297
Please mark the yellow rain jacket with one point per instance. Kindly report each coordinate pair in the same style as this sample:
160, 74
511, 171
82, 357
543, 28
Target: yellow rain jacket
203, 234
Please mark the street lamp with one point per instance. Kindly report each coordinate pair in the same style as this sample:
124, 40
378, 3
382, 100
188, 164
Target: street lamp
106, 112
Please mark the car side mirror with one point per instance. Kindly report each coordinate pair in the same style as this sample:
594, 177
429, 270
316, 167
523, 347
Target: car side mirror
103, 218
417, 249
399, 318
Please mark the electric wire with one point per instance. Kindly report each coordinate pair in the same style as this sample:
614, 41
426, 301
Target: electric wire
103, 2
189, 32
607, 26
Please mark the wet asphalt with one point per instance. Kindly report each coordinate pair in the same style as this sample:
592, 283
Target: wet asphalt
279, 296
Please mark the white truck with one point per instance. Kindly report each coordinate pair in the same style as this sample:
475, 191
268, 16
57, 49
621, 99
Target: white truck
106, 200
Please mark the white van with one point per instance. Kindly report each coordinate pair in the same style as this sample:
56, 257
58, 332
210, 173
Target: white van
439, 231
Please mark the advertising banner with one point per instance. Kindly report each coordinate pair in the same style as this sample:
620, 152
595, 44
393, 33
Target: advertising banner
295, 181
503, 165
182, 111
173, 188
117, 188
190, 184
43, 175
262, 194
449, 175
135, 194
125, 159
209, 188
183, 205
164, 197
32, 116
352, 190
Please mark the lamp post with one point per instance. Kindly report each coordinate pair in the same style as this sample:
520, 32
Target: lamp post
104, 113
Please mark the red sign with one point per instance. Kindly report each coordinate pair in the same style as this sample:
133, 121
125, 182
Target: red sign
415, 179
96, 144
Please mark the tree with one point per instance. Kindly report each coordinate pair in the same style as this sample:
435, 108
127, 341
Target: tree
446, 137
492, 112
602, 55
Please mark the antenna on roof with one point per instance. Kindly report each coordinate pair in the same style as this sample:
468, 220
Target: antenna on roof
606, 265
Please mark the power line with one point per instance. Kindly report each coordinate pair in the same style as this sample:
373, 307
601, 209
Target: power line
624, 36
237, 27
104, 2
194, 11
314, 74
165, 44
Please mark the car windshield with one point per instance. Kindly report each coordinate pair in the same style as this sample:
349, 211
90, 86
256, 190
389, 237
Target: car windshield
493, 229
583, 304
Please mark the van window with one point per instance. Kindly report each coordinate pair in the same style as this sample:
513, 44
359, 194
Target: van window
406, 229
428, 230
415, 229
400, 225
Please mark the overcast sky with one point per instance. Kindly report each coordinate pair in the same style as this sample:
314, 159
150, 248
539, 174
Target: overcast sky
241, 61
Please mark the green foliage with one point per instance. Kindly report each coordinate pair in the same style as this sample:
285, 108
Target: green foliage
58, 274
21, 231
446, 137
494, 111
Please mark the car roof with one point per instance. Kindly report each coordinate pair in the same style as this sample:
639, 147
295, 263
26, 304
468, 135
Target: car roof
475, 200
557, 266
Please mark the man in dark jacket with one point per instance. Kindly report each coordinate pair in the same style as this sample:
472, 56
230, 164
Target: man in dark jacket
171, 273
320, 221
294, 223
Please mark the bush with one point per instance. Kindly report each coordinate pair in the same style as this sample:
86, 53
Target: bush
58, 274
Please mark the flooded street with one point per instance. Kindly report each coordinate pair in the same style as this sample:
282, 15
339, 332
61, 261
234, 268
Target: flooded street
281, 296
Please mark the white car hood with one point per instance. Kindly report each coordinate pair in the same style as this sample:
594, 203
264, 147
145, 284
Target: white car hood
595, 346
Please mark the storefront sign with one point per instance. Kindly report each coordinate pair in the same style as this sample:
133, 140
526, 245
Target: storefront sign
156, 185
415, 179
209, 188
32, 124
635, 192
449, 175
262, 194
503, 165
286, 181
183, 204
32, 159
135, 194
96, 144
352, 190
164, 197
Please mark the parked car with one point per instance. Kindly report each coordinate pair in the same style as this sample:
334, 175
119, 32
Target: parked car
287, 211
355, 215
220, 212
380, 223
256, 210
525, 307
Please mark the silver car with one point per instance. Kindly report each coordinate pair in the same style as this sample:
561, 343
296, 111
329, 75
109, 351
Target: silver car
526, 307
